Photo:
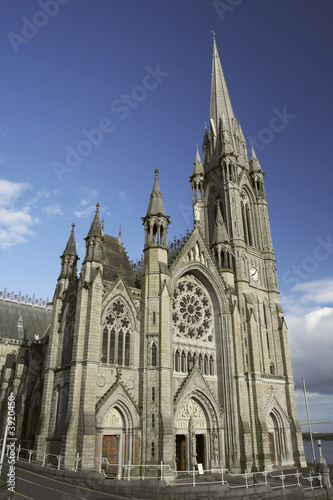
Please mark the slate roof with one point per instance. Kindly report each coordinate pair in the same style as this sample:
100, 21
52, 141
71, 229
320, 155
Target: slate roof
116, 261
35, 320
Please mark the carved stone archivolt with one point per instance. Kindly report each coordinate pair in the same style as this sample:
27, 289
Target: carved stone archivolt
112, 418
191, 410
192, 310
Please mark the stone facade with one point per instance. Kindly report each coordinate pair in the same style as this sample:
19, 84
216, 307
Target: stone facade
185, 359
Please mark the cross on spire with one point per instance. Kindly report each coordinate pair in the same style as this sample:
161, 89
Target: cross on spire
214, 34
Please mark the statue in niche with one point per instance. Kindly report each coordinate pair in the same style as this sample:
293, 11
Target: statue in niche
193, 442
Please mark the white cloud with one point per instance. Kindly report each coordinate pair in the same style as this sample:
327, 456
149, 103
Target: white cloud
15, 222
319, 291
84, 212
309, 315
86, 206
40, 195
15, 225
53, 209
123, 195
10, 191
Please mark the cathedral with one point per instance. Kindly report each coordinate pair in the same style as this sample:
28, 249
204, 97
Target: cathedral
183, 358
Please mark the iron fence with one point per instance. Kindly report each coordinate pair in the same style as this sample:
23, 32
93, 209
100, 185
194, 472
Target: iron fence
274, 479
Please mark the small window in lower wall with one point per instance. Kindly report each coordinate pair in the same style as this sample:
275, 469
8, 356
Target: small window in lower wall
153, 355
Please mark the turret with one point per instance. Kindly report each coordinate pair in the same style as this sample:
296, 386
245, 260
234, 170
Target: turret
69, 258
257, 175
205, 147
221, 247
156, 221
94, 240
197, 181
155, 346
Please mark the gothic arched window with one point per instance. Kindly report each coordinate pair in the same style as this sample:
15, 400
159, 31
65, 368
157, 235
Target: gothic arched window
68, 333
206, 372
247, 221
211, 365
177, 361
116, 337
265, 316
183, 362
200, 362
189, 362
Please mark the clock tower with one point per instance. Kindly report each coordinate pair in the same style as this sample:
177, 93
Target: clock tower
235, 224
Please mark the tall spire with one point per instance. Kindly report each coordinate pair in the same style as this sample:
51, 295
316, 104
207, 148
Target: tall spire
156, 205
220, 103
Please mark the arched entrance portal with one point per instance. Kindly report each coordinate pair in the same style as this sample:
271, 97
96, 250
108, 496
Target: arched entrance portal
116, 440
117, 422
277, 439
196, 442
112, 441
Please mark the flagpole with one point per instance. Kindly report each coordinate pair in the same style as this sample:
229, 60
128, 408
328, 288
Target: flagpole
309, 423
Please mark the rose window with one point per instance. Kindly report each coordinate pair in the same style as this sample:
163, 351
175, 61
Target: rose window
192, 311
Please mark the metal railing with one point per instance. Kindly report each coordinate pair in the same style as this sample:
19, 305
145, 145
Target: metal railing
274, 479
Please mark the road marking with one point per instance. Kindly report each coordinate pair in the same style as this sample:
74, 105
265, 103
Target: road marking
52, 489
21, 495
45, 476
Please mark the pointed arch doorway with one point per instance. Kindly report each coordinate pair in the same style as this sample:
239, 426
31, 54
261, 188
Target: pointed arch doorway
277, 438
112, 442
191, 436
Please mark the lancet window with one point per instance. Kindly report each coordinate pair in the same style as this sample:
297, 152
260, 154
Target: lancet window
247, 224
184, 362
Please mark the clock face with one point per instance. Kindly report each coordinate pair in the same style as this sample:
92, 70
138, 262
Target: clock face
254, 274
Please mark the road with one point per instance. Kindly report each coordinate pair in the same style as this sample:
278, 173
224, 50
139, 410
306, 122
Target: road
32, 486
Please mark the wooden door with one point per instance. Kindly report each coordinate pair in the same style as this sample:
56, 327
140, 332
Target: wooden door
181, 452
200, 449
110, 448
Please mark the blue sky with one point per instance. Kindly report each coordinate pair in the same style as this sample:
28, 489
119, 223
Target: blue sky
140, 73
